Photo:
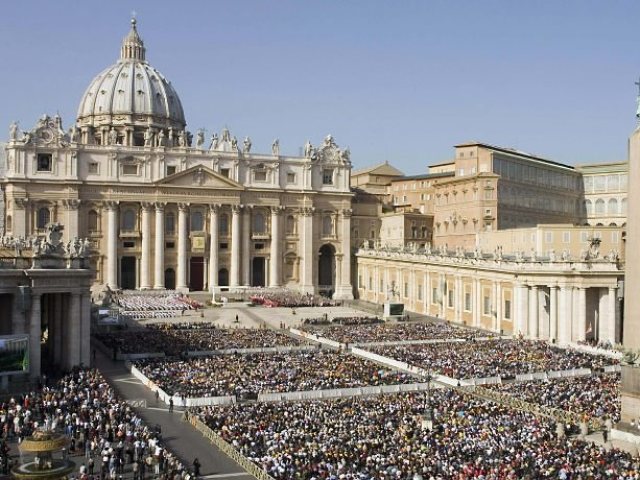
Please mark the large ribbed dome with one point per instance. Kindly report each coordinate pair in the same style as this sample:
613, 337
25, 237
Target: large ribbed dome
131, 93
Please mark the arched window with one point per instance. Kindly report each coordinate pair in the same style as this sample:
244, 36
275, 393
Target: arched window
612, 207
169, 223
588, 206
92, 221
44, 217
258, 223
129, 220
623, 206
599, 206
224, 225
197, 221
327, 226
291, 225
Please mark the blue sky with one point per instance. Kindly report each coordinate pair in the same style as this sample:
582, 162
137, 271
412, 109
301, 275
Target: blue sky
402, 81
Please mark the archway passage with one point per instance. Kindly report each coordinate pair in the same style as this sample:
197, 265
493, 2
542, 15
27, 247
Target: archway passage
170, 279
196, 274
128, 273
223, 277
258, 272
327, 270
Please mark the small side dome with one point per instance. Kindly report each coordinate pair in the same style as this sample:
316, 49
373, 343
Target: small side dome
131, 97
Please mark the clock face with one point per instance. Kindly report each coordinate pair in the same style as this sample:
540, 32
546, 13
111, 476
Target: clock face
46, 135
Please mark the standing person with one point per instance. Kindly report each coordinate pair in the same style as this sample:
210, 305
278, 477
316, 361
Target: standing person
171, 405
196, 467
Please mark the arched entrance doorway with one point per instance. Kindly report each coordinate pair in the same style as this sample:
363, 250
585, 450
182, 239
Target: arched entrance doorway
128, 273
327, 270
258, 272
196, 274
170, 279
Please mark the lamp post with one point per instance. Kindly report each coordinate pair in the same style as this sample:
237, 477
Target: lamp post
427, 417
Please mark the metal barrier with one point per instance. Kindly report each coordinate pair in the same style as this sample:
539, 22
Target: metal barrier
234, 454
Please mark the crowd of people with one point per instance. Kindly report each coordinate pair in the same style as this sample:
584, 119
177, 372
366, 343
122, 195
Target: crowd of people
175, 339
596, 396
370, 332
107, 436
153, 304
290, 298
387, 438
353, 320
247, 375
491, 358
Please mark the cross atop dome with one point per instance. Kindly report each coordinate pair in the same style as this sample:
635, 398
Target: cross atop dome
132, 45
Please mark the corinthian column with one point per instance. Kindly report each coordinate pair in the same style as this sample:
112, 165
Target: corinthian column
307, 256
344, 291
213, 247
275, 274
145, 278
246, 246
35, 333
235, 245
111, 278
158, 280
181, 280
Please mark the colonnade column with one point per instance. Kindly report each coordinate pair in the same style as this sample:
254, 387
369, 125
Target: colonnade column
85, 329
344, 291
477, 301
213, 247
534, 324
565, 313
111, 278
553, 312
181, 276
35, 331
276, 247
246, 246
581, 331
497, 306
522, 309
158, 280
74, 314
427, 293
307, 283
145, 258
234, 275
611, 316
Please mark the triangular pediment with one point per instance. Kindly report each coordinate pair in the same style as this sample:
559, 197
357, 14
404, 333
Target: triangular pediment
200, 177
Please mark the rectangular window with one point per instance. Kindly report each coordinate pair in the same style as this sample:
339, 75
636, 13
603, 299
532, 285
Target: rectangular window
44, 162
291, 178
566, 237
406, 290
371, 283
584, 236
381, 286
259, 246
170, 245
450, 298
130, 169
129, 244
260, 176
507, 309
467, 301
327, 176
93, 168
486, 305
224, 172
419, 292
548, 237
614, 237
434, 295
488, 194
171, 169
224, 246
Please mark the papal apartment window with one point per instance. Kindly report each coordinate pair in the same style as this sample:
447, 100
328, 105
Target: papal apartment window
44, 217
291, 178
94, 168
44, 162
224, 172
197, 221
260, 176
171, 169
130, 169
327, 176
507, 309
169, 223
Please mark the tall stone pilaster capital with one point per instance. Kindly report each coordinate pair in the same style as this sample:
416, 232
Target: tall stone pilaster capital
183, 206
110, 204
71, 203
214, 208
236, 209
159, 206
277, 210
347, 212
21, 202
147, 206
307, 211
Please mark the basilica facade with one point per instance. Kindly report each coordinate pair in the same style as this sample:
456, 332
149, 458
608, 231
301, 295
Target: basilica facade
162, 208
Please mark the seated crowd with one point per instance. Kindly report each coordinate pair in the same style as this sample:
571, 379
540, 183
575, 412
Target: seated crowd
394, 332
103, 428
355, 320
492, 358
595, 396
385, 438
171, 340
249, 374
290, 298
154, 301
